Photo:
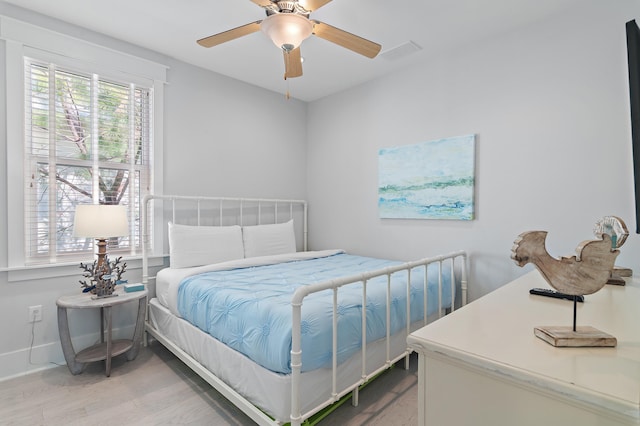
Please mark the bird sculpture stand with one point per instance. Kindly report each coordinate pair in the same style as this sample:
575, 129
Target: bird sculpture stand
585, 273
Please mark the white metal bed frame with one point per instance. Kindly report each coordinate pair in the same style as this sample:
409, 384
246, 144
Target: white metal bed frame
451, 259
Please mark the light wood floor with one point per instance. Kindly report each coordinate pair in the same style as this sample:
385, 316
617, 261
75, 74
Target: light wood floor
157, 389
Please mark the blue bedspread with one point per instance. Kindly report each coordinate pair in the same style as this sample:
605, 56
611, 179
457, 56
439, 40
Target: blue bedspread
249, 309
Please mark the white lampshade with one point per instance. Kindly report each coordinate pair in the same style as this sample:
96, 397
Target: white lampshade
287, 30
100, 221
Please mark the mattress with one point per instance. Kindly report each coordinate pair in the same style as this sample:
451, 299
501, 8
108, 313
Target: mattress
249, 308
269, 391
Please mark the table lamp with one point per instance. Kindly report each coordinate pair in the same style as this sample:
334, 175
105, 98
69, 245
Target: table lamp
100, 221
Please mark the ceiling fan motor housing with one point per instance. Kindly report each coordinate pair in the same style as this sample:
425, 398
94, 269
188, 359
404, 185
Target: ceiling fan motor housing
286, 6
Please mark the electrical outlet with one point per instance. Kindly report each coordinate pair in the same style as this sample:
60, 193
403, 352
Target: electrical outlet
35, 313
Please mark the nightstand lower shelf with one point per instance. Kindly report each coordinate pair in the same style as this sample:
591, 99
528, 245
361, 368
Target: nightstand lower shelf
100, 352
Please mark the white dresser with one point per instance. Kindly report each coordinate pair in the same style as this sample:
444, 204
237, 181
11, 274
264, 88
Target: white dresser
483, 366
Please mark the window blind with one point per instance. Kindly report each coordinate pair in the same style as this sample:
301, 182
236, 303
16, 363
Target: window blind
87, 141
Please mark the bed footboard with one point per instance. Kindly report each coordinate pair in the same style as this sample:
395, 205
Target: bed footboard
457, 262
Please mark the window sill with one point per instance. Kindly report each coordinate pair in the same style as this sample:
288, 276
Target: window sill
39, 272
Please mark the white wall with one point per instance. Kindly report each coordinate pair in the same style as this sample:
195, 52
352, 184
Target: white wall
549, 104
221, 137
250, 142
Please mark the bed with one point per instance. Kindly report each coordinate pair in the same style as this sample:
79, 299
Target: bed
275, 328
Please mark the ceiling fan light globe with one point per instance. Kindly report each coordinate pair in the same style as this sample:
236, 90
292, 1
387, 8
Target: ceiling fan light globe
287, 30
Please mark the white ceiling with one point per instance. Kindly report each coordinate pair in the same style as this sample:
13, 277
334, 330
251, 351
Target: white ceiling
172, 27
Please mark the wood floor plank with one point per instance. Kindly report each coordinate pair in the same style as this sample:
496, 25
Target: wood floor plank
158, 389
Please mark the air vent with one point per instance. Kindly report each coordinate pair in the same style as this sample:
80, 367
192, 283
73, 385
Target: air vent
400, 51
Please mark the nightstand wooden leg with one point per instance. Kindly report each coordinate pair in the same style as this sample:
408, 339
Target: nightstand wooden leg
101, 325
137, 335
67, 345
107, 360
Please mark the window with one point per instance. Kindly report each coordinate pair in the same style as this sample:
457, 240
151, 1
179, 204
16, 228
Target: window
84, 124
87, 141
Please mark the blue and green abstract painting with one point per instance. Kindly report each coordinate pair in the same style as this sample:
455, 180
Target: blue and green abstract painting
428, 180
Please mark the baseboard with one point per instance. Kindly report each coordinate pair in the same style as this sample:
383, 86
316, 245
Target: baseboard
49, 355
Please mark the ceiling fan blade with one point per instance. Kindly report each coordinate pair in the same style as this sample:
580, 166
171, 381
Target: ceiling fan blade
347, 40
229, 35
292, 63
312, 5
263, 3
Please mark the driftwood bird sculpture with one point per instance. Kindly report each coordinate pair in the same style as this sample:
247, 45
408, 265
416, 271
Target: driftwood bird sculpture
585, 273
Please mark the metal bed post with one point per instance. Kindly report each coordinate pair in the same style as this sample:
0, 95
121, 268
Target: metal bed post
440, 289
388, 317
304, 230
408, 308
463, 280
296, 361
425, 296
452, 282
334, 345
355, 395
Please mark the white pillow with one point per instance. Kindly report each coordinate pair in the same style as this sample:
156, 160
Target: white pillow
267, 240
203, 245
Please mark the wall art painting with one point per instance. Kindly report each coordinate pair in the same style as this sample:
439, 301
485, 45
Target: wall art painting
428, 180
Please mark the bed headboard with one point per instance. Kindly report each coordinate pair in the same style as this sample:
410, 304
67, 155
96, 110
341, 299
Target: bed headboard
158, 210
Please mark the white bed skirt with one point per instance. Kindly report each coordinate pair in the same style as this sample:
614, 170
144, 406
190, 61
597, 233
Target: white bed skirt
266, 389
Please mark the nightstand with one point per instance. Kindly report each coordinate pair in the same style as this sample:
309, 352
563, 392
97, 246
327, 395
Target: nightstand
107, 348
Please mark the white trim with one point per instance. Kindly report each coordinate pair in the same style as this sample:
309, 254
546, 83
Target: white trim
157, 140
89, 67
156, 182
76, 49
15, 152
69, 269
47, 355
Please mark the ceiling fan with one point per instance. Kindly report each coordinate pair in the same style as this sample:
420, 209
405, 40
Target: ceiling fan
287, 24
